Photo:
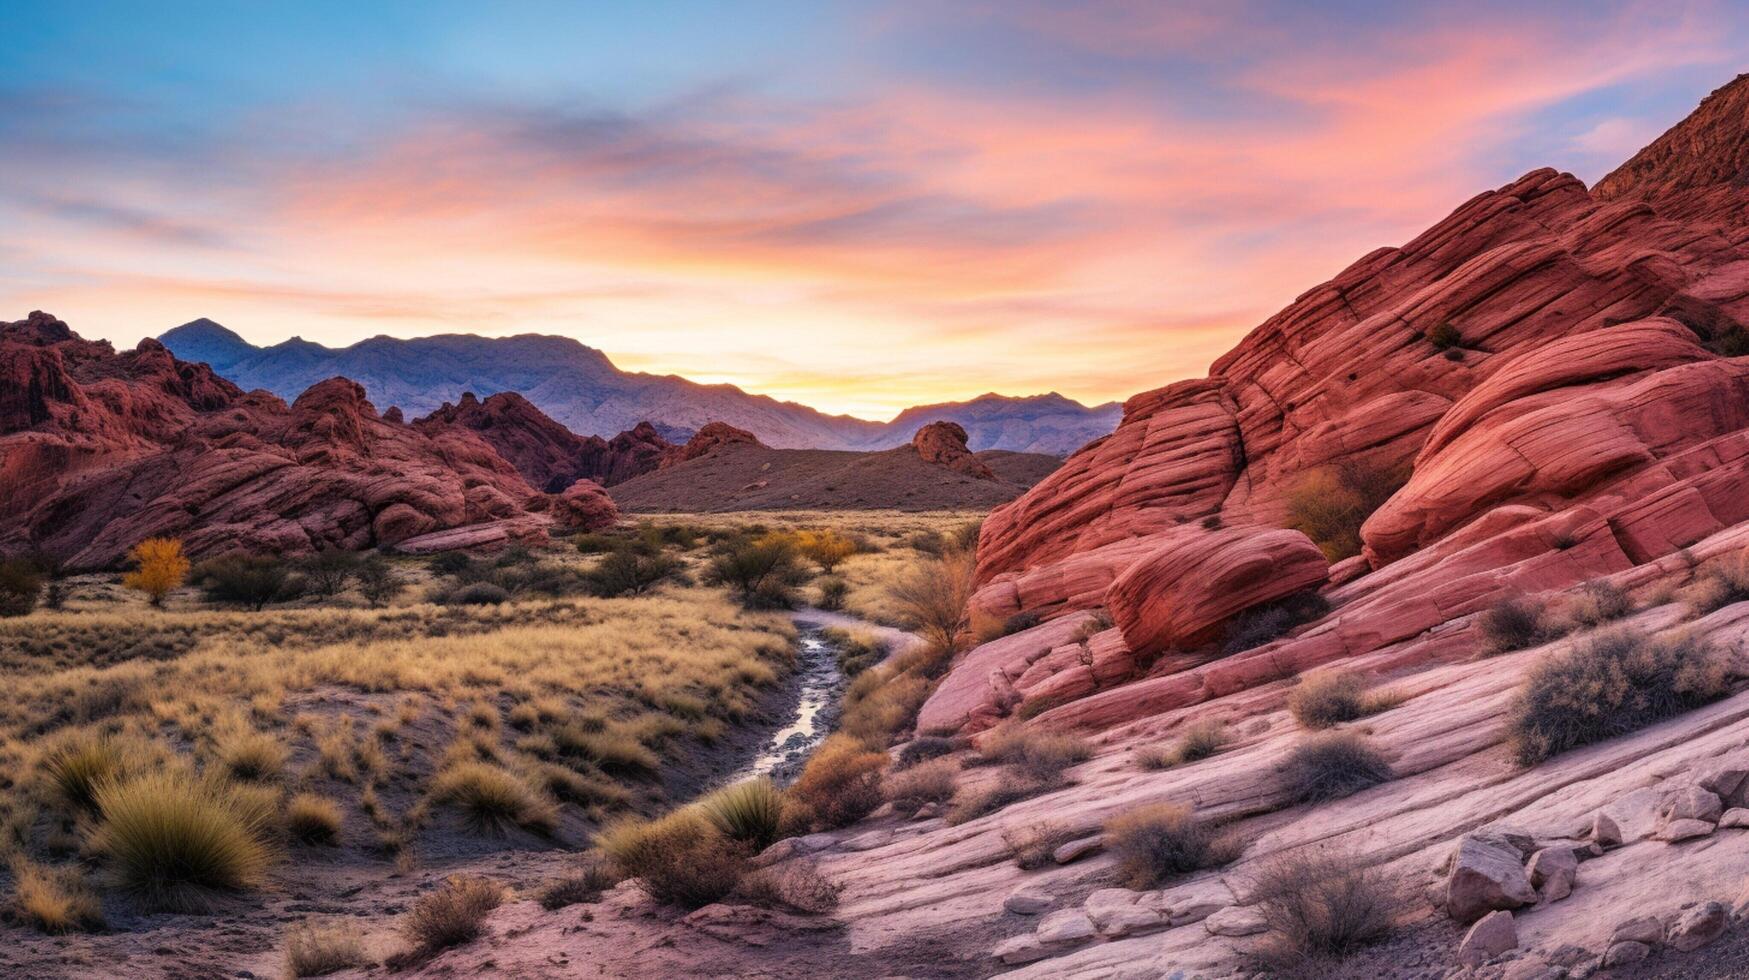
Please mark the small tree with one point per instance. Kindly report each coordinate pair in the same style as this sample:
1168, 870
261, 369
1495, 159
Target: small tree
828, 549
329, 571
20, 584
934, 598
248, 581
762, 573
160, 567
378, 582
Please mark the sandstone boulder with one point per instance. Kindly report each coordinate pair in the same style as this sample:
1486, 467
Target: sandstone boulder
944, 444
1486, 874
1492, 935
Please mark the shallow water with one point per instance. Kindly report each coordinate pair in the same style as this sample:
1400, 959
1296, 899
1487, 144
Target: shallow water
815, 714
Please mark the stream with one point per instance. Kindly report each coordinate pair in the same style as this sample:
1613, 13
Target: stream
814, 716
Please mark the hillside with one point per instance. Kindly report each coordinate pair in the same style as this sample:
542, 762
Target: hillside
582, 390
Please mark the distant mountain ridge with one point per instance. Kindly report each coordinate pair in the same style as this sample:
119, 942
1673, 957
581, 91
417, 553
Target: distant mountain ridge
581, 388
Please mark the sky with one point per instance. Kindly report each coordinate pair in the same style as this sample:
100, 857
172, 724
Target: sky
858, 206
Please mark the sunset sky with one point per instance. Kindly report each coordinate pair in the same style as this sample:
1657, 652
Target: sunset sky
858, 206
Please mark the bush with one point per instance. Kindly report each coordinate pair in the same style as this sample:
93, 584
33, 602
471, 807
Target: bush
680, 858
1199, 741
54, 901
881, 705
452, 563
1154, 843
492, 799
791, 886
1331, 503
20, 585
81, 767
159, 568
750, 811
1020, 622
627, 572
1720, 583
1515, 622
329, 571
762, 574
1609, 685
1261, 624
378, 582
1033, 845
451, 915
833, 592
1329, 767
971, 804
1599, 603
248, 581
477, 594
1320, 905
313, 950
252, 756
1445, 337
1328, 698
313, 819
857, 651
1041, 755
931, 782
172, 839
933, 596
926, 747
839, 785
828, 549
576, 888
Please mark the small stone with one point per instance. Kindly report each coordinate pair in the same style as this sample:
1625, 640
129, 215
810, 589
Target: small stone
1486, 874
1493, 934
928, 811
1075, 850
1621, 954
869, 840
1067, 927
1553, 871
1726, 781
1195, 910
1020, 949
1645, 929
1028, 900
1684, 829
1692, 802
1605, 831
1235, 920
1735, 817
1699, 925
1130, 920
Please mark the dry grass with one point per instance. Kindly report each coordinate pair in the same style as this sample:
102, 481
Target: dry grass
492, 800
1159, 842
1329, 698
793, 886
680, 858
750, 812
931, 782
1515, 622
840, 785
1330, 504
451, 915
1031, 846
1331, 766
173, 839
583, 885
313, 819
54, 900
315, 949
1320, 905
1200, 740
1040, 755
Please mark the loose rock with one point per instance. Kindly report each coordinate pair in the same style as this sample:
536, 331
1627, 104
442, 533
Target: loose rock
1699, 925
1493, 934
1485, 875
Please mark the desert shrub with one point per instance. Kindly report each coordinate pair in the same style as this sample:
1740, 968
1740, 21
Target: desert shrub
477, 594
876, 713
833, 592
750, 811
1320, 905
1154, 843
597, 544
800, 887
1609, 685
926, 747
1445, 337
857, 651
681, 858
492, 799
1599, 603
378, 582
1331, 766
252, 756
613, 751
328, 572
313, 819
928, 542
1097, 623
828, 549
1199, 741
1720, 583
1012, 787
159, 568
54, 596
1041, 755
1328, 698
762, 573
1515, 622
316, 950
54, 900
83, 765
840, 784
1261, 624
451, 915
1330, 504
1020, 622
20, 585
452, 563
251, 581
584, 885
172, 839
1032, 845
1211, 523
931, 782
932, 598
627, 572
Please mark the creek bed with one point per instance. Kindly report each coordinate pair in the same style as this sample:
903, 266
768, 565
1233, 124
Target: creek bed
815, 714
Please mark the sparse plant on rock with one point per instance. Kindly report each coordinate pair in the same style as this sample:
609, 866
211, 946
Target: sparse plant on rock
1330, 504
931, 782
750, 811
1199, 741
317, 949
451, 915
681, 858
1328, 698
840, 784
1515, 622
1159, 842
1031, 846
1331, 766
1321, 905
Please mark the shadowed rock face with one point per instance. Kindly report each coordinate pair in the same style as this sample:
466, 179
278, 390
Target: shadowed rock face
944, 444
549, 455
99, 450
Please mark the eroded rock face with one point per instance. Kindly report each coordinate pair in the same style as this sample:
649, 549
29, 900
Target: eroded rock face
104, 449
713, 434
546, 453
944, 444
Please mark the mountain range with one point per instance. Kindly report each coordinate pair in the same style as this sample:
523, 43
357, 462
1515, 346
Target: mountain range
580, 387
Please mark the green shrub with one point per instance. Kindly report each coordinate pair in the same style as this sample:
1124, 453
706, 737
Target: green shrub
79, 768
451, 915
378, 582
1330, 504
477, 594
763, 574
1328, 698
172, 839
1328, 767
1609, 685
328, 572
1261, 624
625, 571
1162, 841
926, 747
1020, 622
20, 584
1445, 337
750, 811
681, 858
857, 651
251, 581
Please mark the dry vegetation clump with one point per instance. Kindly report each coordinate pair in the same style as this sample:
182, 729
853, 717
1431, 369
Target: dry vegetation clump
1330, 504
1331, 766
680, 858
21, 583
1321, 906
1165, 840
54, 900
579, 887
628, 571
1609, 685
1516, 622
1040, 755
314, 949
174, 839
882, 704
792, 886
1033, 845
1200, 740
1261, 624
763, 573
1329, 698
159, 568
926, 747
313, 819
858, 650
933, 596
750, 811
1009, 788
1598, 603
1720, 583
839, 785
451, 915
249, 581
931, 782
492, 800
252, 756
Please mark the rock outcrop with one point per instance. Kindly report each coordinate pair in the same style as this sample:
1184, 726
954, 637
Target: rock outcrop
549, 455
708, 438
99, 450
944, 444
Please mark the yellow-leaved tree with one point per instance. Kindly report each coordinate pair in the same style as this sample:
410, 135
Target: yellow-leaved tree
828, 549
160, 567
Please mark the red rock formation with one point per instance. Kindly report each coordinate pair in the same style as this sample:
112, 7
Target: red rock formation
551, 456
944, 444
1545, 364
103, 449
714, 434
636, 451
